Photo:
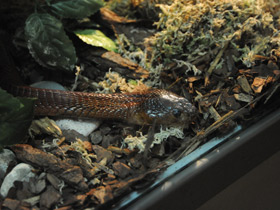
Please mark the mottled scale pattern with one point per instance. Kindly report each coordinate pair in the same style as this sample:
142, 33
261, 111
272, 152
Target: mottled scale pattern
137, 108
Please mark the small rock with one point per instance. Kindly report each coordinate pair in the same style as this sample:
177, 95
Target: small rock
21, 172
6, 156
96, 137
105, 130
48, 85
109, 140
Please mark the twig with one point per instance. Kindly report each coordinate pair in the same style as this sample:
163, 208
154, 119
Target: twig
215, 62
150, 140
272, 92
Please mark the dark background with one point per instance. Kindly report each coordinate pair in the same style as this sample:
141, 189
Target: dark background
259, 189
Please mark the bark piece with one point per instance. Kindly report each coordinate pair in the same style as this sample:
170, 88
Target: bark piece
121, 169
11, 203
102, 153
243, 82
55, 182
49, 197
71, 174
243, 97
101, 194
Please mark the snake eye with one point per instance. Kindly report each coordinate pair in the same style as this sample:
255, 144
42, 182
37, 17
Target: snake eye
176, 113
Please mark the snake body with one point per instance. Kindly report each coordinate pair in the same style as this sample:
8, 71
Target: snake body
137, 108
141, 108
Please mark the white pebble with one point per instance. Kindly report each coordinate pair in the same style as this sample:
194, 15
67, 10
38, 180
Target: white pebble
21, 172
84, 127
6, 156
48, 85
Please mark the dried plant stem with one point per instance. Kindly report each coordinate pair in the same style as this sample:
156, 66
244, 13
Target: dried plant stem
215, 62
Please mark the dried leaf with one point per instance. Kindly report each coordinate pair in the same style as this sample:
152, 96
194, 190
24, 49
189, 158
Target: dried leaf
96, 38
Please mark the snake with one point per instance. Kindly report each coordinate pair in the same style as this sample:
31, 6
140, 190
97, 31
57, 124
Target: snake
140, 108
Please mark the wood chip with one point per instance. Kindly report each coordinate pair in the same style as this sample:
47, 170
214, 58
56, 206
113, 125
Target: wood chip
214, 113
258, 84
49, 198
102, 194
11, 203
243, 82
243, 97
102, 153
119, 151
71, 174
122, 170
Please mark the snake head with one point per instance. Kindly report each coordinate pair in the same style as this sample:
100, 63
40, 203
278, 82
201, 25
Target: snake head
167, 108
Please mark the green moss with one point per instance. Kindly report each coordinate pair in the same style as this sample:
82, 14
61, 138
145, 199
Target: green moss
188, 30
121, 7
191, 29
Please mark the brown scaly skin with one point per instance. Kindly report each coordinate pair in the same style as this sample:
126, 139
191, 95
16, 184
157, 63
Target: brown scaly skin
137, 108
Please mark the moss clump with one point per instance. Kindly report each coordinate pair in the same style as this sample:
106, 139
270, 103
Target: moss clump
139, 142
192, 33
113, 82
190, 29
137, 8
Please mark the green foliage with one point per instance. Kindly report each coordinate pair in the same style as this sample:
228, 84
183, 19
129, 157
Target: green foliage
15, 118
45, 36
96, 38
132, 82
76, 9
48, 43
